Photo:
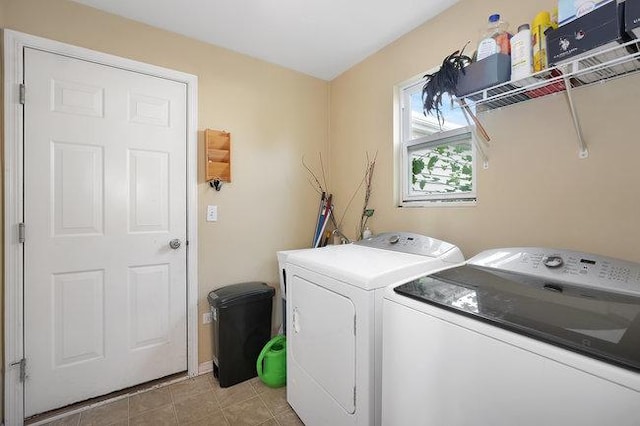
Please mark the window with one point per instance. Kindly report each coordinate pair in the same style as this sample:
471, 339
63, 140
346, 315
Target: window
436, 160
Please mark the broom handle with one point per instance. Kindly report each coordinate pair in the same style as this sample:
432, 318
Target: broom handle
479, 125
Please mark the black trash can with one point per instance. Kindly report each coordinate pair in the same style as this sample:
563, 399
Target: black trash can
241, 319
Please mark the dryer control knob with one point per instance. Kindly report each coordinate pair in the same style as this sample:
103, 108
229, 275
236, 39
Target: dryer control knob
552, 261
394, 239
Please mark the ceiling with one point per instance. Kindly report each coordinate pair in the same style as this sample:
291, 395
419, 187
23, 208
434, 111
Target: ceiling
321, 38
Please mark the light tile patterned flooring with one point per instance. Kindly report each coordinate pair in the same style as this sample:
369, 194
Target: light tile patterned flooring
199, 401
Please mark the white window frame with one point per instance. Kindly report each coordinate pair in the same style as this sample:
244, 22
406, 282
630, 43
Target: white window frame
403, 143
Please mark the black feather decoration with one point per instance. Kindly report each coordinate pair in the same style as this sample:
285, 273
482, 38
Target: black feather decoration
443, 81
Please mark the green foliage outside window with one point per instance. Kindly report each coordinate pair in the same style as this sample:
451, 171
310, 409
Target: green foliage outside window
442, 169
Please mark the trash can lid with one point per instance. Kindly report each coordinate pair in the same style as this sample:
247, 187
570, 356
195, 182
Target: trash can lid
240, 293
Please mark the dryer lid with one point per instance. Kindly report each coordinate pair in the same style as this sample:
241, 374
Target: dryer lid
364, 267
379, 261
594, 322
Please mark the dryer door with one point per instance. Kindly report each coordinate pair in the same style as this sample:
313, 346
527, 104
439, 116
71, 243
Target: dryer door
322, 339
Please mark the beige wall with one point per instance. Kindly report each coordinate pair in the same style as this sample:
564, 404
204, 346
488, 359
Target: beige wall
536, 190
275, 116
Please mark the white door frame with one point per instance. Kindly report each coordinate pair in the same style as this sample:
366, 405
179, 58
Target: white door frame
14, 42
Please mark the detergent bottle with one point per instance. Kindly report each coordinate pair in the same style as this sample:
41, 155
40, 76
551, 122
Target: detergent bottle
521, 56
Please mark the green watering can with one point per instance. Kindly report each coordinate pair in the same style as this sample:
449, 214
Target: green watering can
272, 362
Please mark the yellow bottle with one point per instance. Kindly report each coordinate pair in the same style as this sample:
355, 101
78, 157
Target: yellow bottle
541, 23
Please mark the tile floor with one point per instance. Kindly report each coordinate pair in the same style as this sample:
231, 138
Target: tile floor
198, 401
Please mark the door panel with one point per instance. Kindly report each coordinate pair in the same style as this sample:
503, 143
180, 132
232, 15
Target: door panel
148, 191
78, 317
148, 110
78, 181
149, 293
77, 98
105, 192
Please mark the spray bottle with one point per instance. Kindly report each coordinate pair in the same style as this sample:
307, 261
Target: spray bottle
541, 23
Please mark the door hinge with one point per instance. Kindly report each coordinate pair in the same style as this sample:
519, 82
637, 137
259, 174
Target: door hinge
23, 368
22, 94
21, 233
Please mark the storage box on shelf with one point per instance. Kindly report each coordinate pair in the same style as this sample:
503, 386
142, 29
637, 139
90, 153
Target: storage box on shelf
492, 70
632, 18
599, 29
570, 10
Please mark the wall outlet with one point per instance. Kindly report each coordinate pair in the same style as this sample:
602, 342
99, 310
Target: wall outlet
206, 318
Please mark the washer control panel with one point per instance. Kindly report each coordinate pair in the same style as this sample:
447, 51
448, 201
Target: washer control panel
407, 242
577, 268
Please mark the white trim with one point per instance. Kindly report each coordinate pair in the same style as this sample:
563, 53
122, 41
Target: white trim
14, 43
13, 306
205, 367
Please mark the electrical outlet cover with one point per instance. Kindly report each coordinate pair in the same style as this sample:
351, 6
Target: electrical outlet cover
212, 213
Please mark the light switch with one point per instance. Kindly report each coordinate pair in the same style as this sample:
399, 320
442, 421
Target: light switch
212, 213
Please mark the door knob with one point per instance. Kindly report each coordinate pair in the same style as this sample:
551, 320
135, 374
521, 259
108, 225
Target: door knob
175, 243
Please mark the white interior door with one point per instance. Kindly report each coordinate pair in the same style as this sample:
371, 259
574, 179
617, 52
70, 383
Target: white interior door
104, 193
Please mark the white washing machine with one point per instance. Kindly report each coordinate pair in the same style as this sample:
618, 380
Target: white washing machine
334, 301
518, 336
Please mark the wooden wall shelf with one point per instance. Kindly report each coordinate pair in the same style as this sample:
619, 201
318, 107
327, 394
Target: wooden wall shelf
217, 155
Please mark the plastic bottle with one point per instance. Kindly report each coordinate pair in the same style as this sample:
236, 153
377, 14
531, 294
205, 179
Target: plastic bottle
521, 53
495, 39
541, 23
367, 233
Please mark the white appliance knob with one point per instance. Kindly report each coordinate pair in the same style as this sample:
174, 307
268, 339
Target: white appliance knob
394, 239
552, 261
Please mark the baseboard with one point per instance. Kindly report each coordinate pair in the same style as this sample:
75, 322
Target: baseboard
205, 367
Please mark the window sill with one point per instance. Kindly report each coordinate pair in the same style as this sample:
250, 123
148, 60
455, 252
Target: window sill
438, 203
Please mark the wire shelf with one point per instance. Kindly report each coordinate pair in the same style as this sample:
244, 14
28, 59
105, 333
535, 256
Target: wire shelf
580, 71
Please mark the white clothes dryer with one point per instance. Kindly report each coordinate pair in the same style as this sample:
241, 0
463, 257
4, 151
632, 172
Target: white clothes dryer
334, 301
518, 336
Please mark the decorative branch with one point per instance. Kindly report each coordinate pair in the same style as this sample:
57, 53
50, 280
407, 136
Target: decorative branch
324, 177
321, 188
366, 211
317, 186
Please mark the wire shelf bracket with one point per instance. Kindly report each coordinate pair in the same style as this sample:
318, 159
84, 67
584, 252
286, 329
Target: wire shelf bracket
584, 152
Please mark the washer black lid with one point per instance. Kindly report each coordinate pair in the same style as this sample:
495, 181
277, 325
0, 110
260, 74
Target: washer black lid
593, 322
